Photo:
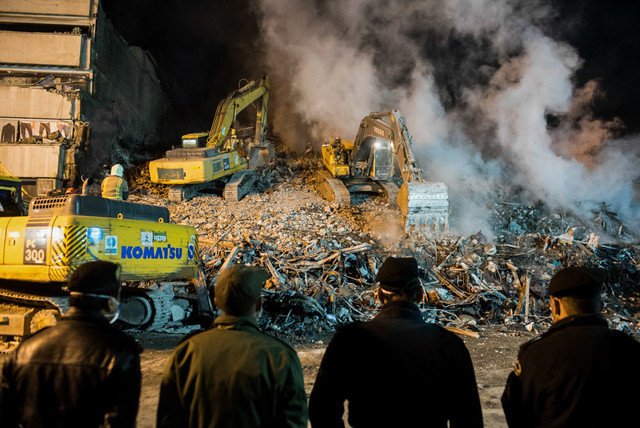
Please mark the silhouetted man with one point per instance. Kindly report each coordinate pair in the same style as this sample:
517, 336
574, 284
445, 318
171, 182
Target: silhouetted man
233, 375
579, 373
396, 370
82, 372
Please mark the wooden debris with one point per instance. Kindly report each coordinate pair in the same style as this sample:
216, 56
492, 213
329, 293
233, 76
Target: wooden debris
331, 254
464, 332
229, 260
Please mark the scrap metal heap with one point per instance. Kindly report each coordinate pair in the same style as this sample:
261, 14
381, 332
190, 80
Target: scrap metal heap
322, 258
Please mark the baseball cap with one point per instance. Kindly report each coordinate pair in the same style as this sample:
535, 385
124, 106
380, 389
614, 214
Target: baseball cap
576, 281
239, 288
396, 273
98, 277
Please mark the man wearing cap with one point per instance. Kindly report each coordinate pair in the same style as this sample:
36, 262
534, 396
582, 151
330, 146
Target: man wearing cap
396, 370
233, 375
579, 373
114, 186
82, 372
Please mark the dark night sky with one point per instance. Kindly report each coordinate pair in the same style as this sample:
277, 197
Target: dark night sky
204, 47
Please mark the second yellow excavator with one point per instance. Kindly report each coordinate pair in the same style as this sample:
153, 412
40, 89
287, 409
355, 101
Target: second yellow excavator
219, 158
380, 160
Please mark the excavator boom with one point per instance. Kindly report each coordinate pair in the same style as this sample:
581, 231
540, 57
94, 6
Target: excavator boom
227, 110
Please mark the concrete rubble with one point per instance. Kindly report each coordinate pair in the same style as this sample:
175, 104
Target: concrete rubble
322, 257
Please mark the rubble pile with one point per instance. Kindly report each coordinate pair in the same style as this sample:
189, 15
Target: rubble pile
322, 258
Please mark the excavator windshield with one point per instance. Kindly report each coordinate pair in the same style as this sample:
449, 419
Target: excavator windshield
375, 158
10, 203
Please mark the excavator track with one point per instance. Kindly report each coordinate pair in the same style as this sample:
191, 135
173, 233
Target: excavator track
186, 192
162, 302
392, 192
147, 307
239, 185
332, 189
424, 206
24, 314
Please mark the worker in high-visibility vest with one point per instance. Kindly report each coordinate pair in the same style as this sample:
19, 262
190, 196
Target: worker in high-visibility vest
114, 186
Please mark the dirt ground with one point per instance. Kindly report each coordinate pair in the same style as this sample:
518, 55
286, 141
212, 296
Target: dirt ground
493, 354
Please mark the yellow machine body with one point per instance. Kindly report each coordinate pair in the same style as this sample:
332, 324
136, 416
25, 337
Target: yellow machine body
189, 170
40, 251
48, 246
214, 157
380, 160
336, 160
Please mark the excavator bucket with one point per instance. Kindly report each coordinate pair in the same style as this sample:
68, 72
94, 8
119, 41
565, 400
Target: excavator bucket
261, 155
424, 206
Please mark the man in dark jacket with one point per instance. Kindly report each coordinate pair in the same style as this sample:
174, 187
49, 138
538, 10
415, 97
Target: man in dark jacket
396, 370
233, 375
81, 372
579, 373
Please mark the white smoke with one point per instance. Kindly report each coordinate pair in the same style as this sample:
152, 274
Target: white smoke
476, 79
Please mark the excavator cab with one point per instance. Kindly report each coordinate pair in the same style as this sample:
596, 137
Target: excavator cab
10, 197
193, 140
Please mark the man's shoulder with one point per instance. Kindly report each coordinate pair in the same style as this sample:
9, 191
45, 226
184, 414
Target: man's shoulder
356, 328
94, 333
255, 335
70, 335
273, 341
559, 338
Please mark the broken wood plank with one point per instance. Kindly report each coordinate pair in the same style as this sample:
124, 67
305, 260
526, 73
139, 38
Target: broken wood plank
464, 332
526, 298
487, 287
514, 269
524, 294
455, 248
212, 242
229, 260
447, 284
329, 258
356, 248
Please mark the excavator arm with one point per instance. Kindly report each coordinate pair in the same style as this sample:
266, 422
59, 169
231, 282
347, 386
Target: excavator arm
402, 148
422, 203
223, 126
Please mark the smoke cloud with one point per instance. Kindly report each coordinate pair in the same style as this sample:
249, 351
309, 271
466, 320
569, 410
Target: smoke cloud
488, 95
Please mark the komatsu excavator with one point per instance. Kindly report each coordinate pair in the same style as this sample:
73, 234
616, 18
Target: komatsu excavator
380, 160
219, 158
40, 251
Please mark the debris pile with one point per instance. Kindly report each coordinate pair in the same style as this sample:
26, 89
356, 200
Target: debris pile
322, 258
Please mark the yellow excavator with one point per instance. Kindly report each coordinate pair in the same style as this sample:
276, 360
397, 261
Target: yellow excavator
380, 160
40, 249
220, 158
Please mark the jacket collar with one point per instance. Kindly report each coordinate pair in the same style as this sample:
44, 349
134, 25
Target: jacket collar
231, 322
589, 319
75, 313
400, 309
